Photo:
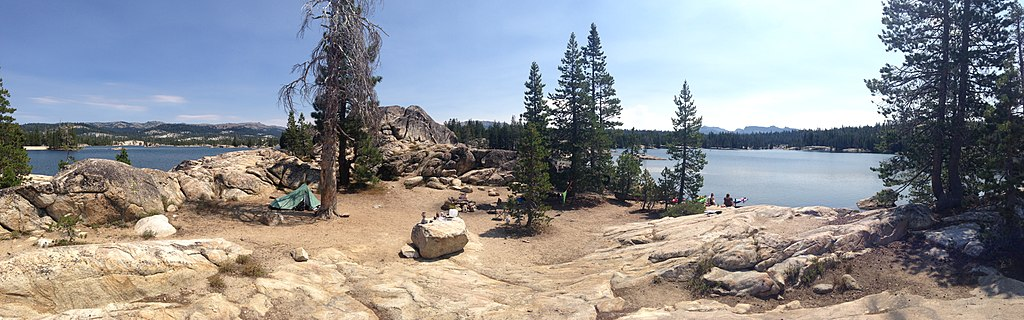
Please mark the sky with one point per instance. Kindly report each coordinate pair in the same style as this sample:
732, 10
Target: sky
788, 63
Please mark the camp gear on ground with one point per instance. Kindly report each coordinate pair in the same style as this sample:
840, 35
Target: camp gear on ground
300, 199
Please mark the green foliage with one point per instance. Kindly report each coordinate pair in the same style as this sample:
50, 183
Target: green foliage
867, 138
574, 122
935, 96
297, 138
667, 186
8, 178
490, 135
148, 235
13, 158
648, 191
533, 184
816, 269
685, 150
123, 157
367, 158
65, 226
696, 284
60, 137
685, 208
65, 163
886, 196
604, 107
537, 110
625, 181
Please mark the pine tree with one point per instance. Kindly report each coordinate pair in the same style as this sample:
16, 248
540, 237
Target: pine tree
686, 148
953, 53
13, 158
573, 122
339, 74
627, 173
648, 190
532, 182
668, 186
604, 105
536, 109
123, 157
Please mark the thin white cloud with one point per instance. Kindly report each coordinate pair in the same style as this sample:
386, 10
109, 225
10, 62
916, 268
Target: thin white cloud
95, 101
47, 100
198, 117
168, 99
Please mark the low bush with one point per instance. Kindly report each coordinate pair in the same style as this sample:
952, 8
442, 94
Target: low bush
217, 283
685, 208
246, 266
696, 284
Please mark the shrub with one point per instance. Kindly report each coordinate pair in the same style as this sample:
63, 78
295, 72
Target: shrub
244, 265
149, 234
217, 283
814, 271
65, 226
64, 164
685, 208
696, 284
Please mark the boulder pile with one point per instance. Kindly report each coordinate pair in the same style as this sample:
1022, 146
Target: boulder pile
102, 191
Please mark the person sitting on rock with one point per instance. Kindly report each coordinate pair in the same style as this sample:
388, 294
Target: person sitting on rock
711, 200
424, 219
727, 201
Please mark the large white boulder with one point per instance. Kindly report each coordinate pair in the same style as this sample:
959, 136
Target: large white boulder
158, 225
440, 237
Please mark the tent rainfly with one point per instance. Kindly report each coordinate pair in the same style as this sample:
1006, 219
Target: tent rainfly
300, 199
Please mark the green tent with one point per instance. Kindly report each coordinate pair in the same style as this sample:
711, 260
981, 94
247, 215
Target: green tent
300, 199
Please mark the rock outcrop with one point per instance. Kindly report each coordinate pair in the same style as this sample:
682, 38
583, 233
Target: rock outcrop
100, 191
243, 175
57, 279
412, 124
439, 237
18, 214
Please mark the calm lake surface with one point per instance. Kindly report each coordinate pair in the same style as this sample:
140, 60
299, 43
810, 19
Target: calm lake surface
785, 178
162, 158
779, 177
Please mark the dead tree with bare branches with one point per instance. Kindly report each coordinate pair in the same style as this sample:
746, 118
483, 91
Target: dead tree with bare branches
338, 75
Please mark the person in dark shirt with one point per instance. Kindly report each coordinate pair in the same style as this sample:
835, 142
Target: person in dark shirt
711, 200
727, 201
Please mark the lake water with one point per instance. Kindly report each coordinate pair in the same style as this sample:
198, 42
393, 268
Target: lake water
785, 178
162, 158
779, 177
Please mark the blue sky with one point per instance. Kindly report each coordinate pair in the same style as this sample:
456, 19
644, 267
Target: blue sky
787, 63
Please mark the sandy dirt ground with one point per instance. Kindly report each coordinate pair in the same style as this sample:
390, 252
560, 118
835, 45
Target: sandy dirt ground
380, 221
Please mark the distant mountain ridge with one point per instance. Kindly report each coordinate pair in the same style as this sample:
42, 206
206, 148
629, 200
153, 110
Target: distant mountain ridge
157, 132
746, 130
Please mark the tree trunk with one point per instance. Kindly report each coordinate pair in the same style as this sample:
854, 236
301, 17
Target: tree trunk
939, 114
344, 166
329, 161
956, 185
